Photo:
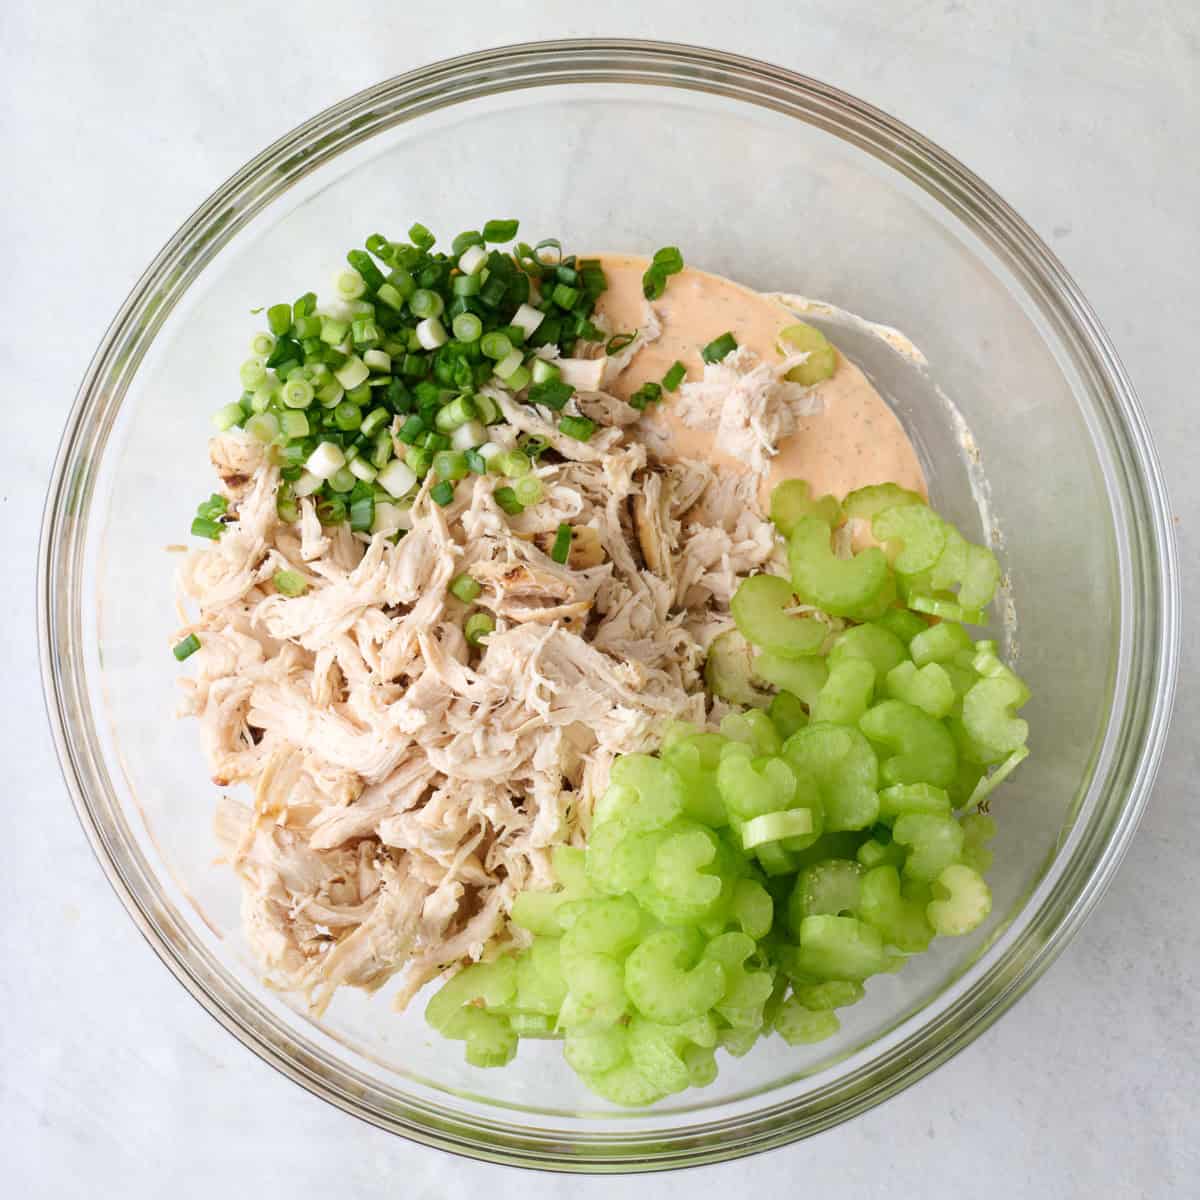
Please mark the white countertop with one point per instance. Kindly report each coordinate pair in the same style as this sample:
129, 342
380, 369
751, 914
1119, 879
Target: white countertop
119, 119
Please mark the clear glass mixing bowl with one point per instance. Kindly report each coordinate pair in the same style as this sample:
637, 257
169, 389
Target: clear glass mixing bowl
782, 183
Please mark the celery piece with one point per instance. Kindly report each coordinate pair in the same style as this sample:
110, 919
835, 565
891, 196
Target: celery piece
595, 993
939, 643
609, 927
844, 587
490, 1039
881, 648
752, 908
620, 859
934, 843
793, 499
643, 794
962, 901
978, 829
656, 1051
739, 1042
828, 888
800, 1026
752, 787
904, 624
624, 1085
774, 859
929, 688
729, 671
538, 911
847, 692
593, 1051
874, 853
972, 569
863, 503
923, 749
701, 1065
834, 947
844, 767
945, 608
679, 871
966, 779
695, 760
753, 727
900, 921
668, 981
760, 607
987, 784
787, 714
541, 985
490, 985
821, 362
988, 718
746, 991
700, 1031
903, 798
533, 1025
834, 993
914, 536
803, 677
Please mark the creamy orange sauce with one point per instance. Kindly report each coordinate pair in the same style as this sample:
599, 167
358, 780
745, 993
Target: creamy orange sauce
854, 440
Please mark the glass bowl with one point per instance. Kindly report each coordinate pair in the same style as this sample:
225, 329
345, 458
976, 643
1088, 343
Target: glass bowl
782, 183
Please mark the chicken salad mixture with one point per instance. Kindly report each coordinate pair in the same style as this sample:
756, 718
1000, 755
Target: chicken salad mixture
481, 546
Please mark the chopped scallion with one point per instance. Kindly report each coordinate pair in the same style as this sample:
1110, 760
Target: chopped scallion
561, 549
674, 376
442, 493
466, 588
477, 627
718, 348
187, 647
579, 428
506, 498
290, 583
500, 231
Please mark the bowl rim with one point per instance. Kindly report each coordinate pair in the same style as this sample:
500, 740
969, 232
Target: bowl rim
1148, 565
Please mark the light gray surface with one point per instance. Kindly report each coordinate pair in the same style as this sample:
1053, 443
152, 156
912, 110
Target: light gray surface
119, 119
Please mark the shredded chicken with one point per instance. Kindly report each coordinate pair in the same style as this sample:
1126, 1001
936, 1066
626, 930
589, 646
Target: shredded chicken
404, 785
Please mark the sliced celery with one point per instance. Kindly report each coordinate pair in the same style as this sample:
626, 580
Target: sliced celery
844, 767
843, 587
800, 1026
839, 948
729, 671
832, 887
877, 645
915, 537
668, 981
900, 921
847, 692
793, 499
963, 901
834, 993
922, 748
928, 688
803, 677
863, 503
760, 609
934, 843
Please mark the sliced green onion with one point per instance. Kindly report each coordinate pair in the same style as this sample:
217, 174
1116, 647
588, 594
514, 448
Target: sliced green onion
561, 549
361, 469
349, 285
528, 318
579, 428
297, 392
362, 514
654, 282
253, 372
510, 363
457, 412
378, 360
544, 260
418, 460
431, 333
477, 627
496, 345
306, 485
674, 376
290, 583
476, 462
543, 371
381, 449
347, 416
500, 231
352, 372
519, 379
506, 498
719, 347
467, 285
264, 426
669, 260
411, 430
619, 341
187, 647
376, 418
342, 480
466, 588
279, 318
215, 506
472, 260
648, 393
450, 464
397, 478
512, 463
206, 527
554, 393
325, 460
334, 331
426, 303
529, 490
294, 424
565, 296
227, 417
467, 327
330, 393
420, 236
468, 436
442, 493
489, 410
